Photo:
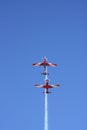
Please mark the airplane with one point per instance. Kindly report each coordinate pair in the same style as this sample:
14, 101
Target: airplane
44, 63
47, 86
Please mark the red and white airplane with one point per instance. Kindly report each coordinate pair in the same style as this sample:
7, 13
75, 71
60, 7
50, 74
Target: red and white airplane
47, 86
44, 63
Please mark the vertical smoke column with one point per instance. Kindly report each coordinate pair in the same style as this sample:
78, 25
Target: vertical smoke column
46, 106
46, 111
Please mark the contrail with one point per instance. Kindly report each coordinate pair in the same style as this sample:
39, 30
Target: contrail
46, 112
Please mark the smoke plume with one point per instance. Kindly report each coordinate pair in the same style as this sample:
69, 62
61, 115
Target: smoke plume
46, 112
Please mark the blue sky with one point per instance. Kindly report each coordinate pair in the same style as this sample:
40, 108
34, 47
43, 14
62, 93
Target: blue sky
30, 30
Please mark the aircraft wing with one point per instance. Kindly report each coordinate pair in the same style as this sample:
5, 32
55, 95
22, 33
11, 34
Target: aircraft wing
39, 86
51, 64
37, 64
42, 64
54, 86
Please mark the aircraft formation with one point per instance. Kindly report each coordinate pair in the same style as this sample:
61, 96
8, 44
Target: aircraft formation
45, 64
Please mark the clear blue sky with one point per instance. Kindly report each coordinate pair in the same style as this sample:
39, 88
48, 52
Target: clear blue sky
30, 30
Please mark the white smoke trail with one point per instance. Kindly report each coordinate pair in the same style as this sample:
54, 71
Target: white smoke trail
46, 106
46, 112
